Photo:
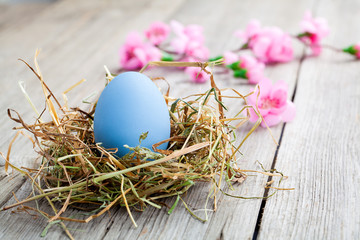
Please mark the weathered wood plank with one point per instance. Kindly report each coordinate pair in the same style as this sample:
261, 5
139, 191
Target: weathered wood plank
9, 183
18, 15
321, 149
24, 226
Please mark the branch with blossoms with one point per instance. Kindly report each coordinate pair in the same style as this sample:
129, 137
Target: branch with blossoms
266, 45
271, 45
186, 45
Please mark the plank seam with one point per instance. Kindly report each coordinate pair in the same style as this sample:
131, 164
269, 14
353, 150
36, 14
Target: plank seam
108, 228
302, 59
2, 172
2, 177
222, 232
266, 193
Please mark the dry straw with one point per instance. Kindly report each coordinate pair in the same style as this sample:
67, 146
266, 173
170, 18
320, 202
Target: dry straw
76, 171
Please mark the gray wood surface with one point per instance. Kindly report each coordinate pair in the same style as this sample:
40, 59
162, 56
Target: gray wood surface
319, 151
324, 160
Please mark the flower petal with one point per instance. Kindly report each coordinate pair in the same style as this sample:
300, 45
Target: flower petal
289, 113
230, 57
177, 27
253, 116
271, 120
265, 87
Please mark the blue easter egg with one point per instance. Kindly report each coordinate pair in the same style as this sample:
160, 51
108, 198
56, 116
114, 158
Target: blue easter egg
131, 104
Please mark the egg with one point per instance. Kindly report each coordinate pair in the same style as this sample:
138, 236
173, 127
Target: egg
131, 104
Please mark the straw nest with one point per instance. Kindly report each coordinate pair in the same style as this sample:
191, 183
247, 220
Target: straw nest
75, 170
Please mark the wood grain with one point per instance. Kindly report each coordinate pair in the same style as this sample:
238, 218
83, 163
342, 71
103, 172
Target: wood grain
18, 15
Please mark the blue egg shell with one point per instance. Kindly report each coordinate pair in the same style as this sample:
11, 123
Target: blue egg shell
131, 104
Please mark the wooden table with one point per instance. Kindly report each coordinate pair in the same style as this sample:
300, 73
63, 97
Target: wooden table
319, 150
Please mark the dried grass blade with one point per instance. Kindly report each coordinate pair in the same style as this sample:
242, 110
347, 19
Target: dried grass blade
191, 212
125, 201
49, 103
22, 87
63, 207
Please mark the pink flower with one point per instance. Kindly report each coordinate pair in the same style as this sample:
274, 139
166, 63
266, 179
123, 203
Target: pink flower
357, 49
197, 75
193, 32
254, 68
135, 54
315, 29
157, 32
272, 45
353, 50
189, 41
252, 28
269, 44
230, 57
272, 103
197, 50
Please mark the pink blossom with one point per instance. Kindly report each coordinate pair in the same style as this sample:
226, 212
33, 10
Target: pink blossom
272, 103
269, 44
197, 50
179, 44
193, 32
197, 75
357, 49
157, 32
135, 54
252, 28
272, 45
230, 57
189, 41
254, 68
315, 29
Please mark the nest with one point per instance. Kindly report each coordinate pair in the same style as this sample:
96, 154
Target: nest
75, 170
